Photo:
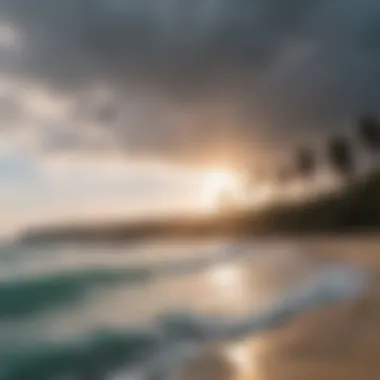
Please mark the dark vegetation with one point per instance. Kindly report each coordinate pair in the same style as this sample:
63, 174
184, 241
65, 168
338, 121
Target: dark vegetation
355, 208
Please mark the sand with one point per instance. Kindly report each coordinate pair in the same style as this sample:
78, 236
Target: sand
341, 342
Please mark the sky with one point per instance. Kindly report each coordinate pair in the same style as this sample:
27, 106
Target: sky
117, 104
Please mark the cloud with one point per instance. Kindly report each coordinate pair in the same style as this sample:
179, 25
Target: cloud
194, 79
84, 188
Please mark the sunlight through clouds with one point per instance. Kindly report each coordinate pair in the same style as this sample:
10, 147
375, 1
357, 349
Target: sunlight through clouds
187, 83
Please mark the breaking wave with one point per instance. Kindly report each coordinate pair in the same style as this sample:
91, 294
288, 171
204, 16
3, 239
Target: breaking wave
158, 350
25, 296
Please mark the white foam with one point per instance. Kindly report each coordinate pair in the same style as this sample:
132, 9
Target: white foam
183, 337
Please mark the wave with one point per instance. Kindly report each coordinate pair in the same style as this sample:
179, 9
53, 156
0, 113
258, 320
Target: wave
190, 333
161, 350
25, 296
82, 359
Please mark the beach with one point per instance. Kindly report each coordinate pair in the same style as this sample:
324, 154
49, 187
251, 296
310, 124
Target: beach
209, 309
340, 342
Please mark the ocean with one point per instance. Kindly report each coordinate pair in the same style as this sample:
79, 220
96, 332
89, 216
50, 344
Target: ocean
148, 310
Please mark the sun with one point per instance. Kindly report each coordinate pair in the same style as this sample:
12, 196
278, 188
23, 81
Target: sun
217, 184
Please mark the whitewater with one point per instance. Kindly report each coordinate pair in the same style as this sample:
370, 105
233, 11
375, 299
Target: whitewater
143, 311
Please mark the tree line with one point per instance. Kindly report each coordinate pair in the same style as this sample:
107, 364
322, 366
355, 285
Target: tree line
340, 152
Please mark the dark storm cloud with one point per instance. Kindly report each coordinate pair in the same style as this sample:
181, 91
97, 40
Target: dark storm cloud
284, 69
178, 43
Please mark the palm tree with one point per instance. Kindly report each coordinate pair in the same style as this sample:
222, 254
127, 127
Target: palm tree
369, 133
341, 156
305, 163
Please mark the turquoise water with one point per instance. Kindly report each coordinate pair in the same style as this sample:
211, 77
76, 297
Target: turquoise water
140, 311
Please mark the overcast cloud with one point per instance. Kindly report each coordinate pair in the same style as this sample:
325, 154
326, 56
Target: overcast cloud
179, 78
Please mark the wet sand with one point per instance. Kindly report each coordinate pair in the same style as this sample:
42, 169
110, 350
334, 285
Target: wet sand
341, 342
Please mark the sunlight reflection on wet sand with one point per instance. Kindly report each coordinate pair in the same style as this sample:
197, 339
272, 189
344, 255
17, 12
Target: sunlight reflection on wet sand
245, 358
339, 342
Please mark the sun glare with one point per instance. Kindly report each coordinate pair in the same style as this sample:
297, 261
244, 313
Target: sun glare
224, 277
218, 184
245, 357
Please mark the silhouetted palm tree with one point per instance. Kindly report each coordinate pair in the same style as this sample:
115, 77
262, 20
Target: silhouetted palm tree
305, 163
341, 156
369, 133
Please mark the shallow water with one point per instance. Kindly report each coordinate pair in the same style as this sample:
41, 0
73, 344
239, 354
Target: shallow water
148, 310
